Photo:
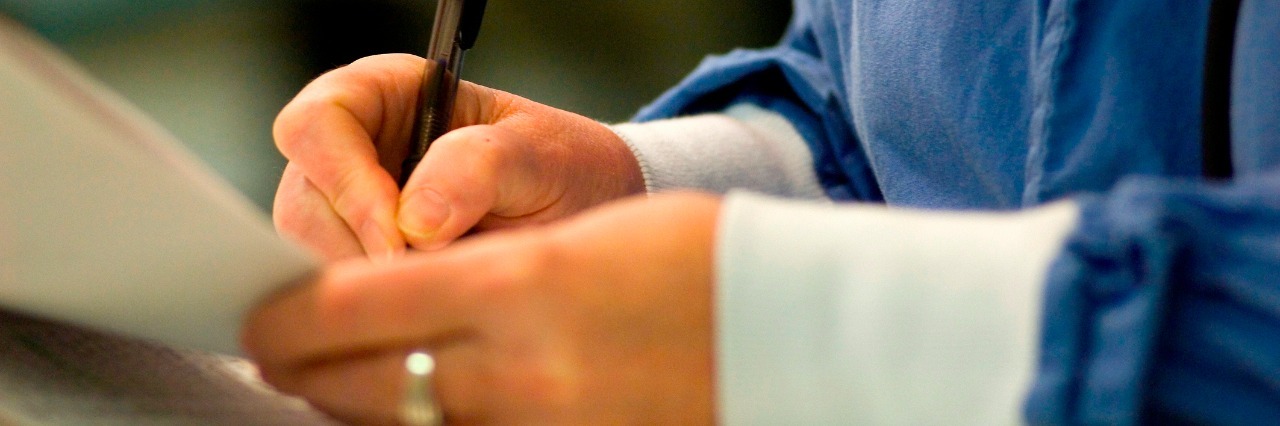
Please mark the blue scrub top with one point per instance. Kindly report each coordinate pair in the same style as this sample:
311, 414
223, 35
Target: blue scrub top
1165, 303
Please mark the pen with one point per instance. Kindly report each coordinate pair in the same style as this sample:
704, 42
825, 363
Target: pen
456, 27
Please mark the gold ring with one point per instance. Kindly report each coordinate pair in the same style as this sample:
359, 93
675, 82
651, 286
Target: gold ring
419, 407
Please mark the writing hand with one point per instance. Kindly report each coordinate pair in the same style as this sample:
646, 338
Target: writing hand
509, 162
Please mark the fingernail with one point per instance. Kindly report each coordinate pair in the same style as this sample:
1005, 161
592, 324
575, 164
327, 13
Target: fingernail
377, 244
423, 214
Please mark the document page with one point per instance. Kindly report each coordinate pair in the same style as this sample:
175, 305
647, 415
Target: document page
106, 221
52, 374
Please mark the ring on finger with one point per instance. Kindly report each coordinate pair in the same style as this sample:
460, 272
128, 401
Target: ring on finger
419, 407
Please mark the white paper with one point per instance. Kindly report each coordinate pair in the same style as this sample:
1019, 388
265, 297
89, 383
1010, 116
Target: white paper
106, 221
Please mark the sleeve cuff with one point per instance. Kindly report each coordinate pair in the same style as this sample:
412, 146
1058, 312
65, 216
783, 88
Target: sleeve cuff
848, 314
745, 147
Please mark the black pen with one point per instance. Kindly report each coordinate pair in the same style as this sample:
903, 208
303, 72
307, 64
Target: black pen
455, 30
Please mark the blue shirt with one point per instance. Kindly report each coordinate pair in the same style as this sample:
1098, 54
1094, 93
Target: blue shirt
1165, 302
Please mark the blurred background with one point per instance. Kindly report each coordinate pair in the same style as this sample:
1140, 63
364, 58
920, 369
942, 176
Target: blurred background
215, 72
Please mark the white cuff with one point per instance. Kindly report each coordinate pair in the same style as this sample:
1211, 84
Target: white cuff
860, 314
745, 147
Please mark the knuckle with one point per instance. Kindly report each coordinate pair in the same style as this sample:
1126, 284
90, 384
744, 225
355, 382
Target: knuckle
484, 144
345, 197
336, 306
291, 211
477, 158
550, 387
290, 223
307, 113
544, 379
297, 119
381, 59
288, 128
492, 105
520, 279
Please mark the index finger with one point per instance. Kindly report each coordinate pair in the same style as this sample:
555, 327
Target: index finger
360, 306
346, 131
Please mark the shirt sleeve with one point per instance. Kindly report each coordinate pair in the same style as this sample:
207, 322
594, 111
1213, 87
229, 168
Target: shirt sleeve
794, 79
752, 148
861, 314
1165, 306
1155, 302
1158, 301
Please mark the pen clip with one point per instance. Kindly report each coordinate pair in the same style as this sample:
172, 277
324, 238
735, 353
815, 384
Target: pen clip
469, 25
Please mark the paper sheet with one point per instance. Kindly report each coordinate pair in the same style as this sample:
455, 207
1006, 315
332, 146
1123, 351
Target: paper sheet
51, 374
106, 221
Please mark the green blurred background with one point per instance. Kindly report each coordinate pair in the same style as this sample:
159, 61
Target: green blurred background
215, 72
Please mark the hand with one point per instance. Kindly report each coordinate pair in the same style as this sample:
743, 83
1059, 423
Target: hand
509, 162
603, 318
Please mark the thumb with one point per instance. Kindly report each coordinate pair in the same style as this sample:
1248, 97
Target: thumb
479, 175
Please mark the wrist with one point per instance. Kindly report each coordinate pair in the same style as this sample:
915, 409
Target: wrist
628, 170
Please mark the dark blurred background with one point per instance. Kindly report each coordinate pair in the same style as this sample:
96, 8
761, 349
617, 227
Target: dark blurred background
215, 72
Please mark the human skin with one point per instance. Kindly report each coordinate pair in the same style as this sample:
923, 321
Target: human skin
509, 162
577, 302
